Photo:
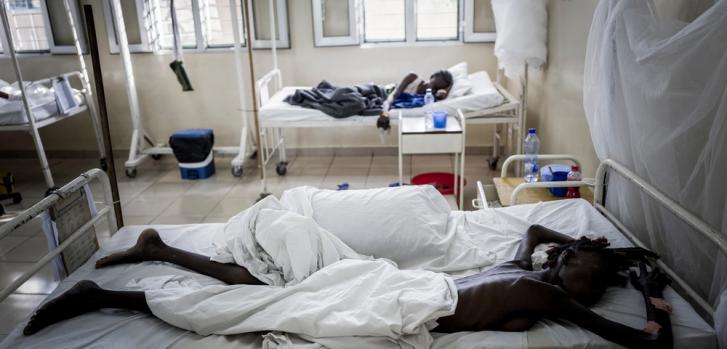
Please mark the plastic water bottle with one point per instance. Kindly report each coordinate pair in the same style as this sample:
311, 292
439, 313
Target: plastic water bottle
428, 101
532, 148
573, 175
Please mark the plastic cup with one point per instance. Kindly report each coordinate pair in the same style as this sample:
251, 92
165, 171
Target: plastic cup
440, 119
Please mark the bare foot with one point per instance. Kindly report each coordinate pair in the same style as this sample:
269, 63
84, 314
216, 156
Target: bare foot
80, 299
147, 247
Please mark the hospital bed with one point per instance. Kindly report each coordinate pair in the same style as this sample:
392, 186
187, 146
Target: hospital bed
503, 227
25, 115
487, 103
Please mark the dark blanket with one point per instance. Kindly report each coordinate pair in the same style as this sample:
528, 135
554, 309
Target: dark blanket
341, 102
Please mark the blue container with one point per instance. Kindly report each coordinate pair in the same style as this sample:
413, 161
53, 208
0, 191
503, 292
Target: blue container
440, 119
200, 170
193, 149
555, 173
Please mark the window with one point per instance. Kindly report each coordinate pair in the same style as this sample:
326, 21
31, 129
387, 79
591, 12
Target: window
261, 33
161, 15
204, 24
217, 23
479, 21
28, 26
437, 19
350, 22
384, 20
335, 22
40, 26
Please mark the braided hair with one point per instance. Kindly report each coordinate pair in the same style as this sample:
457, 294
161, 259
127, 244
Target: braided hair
617, 260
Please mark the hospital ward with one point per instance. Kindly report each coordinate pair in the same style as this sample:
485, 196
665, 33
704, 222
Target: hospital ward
353, 174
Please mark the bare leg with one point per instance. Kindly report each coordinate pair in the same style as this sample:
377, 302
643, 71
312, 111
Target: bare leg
84, 297
150, 247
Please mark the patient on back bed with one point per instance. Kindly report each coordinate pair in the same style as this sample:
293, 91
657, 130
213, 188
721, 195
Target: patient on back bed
410, 93
509, 297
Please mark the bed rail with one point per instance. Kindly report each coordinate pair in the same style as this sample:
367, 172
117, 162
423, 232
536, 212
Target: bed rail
263, 85
106, 211
599, 202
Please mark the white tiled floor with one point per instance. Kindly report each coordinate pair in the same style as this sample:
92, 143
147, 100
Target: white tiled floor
159, 196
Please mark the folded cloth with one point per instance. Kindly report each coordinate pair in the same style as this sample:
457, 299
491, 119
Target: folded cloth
408, 101
341, 102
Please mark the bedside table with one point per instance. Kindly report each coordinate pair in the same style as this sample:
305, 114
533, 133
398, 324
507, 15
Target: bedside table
416, 138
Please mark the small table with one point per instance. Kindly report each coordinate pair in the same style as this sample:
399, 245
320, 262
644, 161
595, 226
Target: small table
416, 138
505, 186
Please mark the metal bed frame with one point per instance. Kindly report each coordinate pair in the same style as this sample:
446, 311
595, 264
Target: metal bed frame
34, 125
142, 145
607, 166
511, 112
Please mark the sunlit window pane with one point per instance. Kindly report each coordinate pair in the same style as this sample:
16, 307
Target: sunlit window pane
261, 19
437, 19
217, 20
185, 18
27, 26
384, 20
335, 18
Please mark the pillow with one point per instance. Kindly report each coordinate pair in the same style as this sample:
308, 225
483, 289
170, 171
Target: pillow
461, 83
407, 225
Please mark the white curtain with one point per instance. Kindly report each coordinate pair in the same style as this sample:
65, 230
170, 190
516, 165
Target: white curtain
655, 96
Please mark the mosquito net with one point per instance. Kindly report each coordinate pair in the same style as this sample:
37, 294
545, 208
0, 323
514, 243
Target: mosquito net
655, 96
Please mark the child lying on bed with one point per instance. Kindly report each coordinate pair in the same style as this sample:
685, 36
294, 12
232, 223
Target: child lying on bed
410, 93
509, 297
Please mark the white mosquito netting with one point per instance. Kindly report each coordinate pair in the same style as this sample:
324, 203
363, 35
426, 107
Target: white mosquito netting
655, 96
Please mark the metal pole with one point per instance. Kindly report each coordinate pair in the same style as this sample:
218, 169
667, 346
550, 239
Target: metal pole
26, 105
253, 92
134, 109
93, 111
240, 78
273, 39
101, 95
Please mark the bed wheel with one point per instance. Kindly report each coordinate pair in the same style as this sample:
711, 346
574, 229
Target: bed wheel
131, 172
282, 168
156, 156
237, 171
493, 163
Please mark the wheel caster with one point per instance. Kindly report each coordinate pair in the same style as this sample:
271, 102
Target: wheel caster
281, 168
492, 163
131, 172
103, 164
237, 171
156, 156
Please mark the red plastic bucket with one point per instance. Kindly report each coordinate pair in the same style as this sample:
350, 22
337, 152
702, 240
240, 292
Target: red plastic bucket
442, 181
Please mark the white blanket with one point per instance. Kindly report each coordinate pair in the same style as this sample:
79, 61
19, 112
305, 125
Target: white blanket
323, 287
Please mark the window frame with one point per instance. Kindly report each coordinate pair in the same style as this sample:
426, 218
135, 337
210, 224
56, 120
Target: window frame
141, 10
352, 39
470, 36
58, 49
53, 48
282, 30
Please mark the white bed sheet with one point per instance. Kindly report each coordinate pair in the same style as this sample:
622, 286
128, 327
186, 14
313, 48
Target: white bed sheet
500, 229
484, 95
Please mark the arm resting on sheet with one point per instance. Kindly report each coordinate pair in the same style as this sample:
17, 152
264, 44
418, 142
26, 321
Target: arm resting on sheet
556, 304
537, 234
383, 121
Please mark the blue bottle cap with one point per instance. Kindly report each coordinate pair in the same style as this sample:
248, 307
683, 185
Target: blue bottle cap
531, 130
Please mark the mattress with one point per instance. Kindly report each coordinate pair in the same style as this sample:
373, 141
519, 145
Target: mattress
499, 229
483, 95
